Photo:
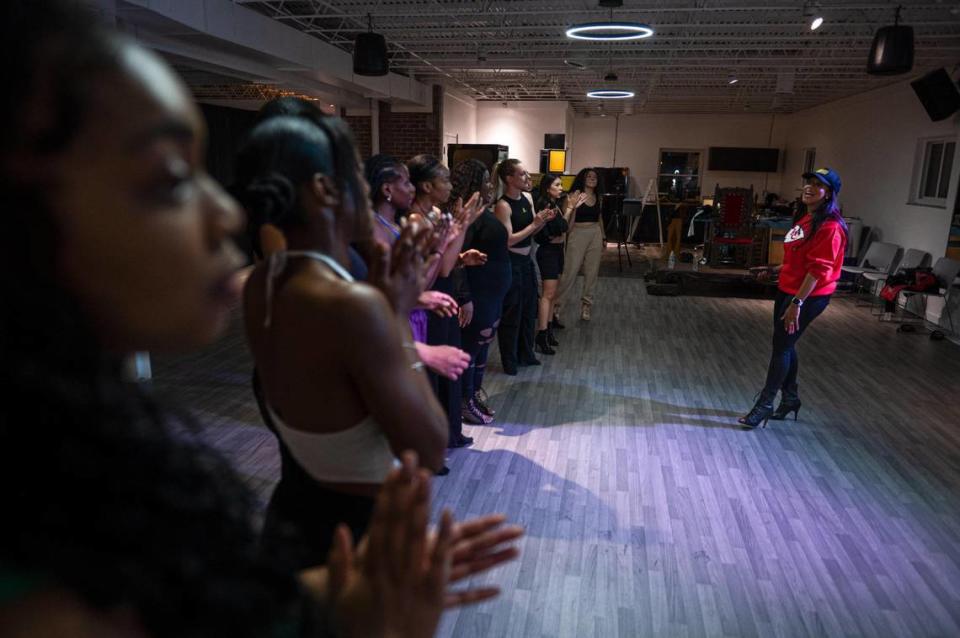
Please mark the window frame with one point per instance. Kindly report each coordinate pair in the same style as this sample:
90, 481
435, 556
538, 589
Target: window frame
925, 148
699, 174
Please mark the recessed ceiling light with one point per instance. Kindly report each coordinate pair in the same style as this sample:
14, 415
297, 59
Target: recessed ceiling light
816, 23
609, 31
610, 94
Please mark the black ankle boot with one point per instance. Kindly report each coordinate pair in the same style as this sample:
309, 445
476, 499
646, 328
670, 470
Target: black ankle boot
555, 323
551, 339
759, 414
542, 345
787, 405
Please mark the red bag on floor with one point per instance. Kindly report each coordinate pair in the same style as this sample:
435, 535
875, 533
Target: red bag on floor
913, 279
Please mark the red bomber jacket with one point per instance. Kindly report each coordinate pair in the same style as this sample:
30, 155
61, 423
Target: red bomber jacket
820, 255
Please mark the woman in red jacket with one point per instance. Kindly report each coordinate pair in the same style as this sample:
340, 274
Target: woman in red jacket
812, 257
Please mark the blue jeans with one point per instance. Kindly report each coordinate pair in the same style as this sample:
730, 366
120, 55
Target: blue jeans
782, 373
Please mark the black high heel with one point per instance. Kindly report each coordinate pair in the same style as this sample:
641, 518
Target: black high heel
759, 415
785, 408
541, 344
555, 323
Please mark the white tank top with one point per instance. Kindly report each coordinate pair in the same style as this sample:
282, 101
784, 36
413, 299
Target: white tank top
359, 454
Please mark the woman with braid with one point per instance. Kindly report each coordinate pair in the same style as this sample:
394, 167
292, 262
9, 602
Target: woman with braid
484, 287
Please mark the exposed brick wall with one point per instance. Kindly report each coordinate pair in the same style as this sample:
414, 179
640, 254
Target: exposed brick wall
404, 135
360, 125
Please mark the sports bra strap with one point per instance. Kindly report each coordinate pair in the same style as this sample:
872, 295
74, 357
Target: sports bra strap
278, 261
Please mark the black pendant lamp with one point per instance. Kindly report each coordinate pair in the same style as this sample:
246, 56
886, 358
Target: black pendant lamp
370, 52
892, 50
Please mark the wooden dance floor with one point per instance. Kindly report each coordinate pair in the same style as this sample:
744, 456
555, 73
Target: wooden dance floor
649, 512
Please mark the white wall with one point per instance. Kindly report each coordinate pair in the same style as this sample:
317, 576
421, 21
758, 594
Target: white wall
641, 137
459, 119
871, 140
522, 125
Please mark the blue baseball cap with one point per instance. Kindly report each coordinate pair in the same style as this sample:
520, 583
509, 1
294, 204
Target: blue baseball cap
828, 176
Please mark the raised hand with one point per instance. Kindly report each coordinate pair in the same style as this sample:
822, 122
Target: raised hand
395, 585
400, 273
478, 546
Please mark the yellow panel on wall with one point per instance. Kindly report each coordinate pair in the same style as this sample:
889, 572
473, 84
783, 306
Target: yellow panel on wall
558, 161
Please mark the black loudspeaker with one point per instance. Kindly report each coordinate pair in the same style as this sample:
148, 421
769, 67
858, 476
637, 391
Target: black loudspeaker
938, 94
370, 54
554, 140
892, 51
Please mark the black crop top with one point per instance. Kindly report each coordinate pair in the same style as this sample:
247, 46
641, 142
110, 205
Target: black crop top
556, 227
586, 213
521, 216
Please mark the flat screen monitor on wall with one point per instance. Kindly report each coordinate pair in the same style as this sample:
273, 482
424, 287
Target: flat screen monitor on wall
554, 140
754, 160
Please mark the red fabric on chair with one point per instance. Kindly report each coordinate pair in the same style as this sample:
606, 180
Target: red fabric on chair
732, 210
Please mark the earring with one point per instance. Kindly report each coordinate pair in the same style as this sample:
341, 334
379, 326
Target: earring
389, 198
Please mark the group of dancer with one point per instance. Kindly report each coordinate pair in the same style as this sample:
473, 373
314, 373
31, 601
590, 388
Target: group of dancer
124, 521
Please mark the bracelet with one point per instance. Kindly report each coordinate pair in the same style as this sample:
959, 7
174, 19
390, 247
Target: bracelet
409, 345
416, 365
797, 301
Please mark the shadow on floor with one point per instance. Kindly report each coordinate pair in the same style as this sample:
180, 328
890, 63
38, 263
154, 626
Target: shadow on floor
525, 405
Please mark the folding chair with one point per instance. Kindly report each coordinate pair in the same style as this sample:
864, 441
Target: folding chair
946, 271
880, 258
912, 258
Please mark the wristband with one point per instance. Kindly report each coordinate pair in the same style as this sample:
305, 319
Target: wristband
797, 301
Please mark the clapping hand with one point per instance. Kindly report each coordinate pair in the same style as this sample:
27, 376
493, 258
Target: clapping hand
395, 584
400, 273
575, 199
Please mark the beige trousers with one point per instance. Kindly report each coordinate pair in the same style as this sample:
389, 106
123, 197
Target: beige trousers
584, 247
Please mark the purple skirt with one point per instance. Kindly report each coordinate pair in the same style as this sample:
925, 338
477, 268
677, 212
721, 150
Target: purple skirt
418, 324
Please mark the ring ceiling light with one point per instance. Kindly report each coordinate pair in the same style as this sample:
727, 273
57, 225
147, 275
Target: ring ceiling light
610, 94
609, 31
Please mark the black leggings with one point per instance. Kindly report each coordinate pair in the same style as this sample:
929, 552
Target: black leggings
782, 373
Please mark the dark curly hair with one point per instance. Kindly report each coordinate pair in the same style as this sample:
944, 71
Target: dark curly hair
108, 492
580, 181
468, 178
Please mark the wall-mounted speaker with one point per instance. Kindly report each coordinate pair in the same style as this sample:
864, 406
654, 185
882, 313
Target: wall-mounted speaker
370, 54
938, 94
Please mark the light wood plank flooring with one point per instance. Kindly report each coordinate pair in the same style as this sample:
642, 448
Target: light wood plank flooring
650, 513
